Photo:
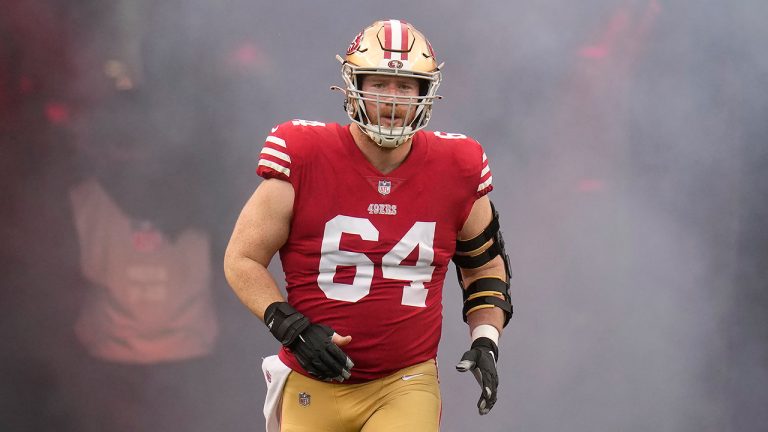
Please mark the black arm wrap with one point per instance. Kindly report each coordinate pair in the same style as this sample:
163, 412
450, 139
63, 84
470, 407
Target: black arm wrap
467, 246
491, 232
285, 322
487, 292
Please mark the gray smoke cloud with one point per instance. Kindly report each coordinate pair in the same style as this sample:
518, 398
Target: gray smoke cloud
625, 139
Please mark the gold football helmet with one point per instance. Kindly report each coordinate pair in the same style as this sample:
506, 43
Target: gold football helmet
390, 47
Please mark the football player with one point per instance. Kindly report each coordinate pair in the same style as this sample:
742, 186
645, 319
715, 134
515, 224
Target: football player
366, 218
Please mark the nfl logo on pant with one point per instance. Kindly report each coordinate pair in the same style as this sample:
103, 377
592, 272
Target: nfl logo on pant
304, 399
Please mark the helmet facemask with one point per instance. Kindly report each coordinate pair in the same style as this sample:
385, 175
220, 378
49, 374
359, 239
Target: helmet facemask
418, 109
375, 51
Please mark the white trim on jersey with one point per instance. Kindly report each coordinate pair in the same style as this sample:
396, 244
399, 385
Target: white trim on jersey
274, 166
276, 153
483, 172
276, 140
485, 184
485, 158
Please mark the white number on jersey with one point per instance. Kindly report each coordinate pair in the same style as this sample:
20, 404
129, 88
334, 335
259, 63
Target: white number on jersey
448, 135
421, 236
331, 256
306, 123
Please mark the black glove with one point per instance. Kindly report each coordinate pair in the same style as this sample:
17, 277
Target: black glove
310, 343
481, 360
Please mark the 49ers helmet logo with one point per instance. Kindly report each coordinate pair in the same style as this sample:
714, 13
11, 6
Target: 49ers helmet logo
355, 43
395, 64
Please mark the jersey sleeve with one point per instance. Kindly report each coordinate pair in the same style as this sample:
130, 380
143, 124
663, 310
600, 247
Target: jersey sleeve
470, 162
279, 157
476, 167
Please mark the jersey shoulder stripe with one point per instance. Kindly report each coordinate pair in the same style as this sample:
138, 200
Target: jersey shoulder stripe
486, 179
275, 140
269, 165
286, 146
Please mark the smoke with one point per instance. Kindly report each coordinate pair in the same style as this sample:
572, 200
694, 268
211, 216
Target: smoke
627, 143
622, 181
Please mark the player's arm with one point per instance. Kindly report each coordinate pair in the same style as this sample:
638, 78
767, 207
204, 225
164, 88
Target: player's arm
479, 219
483, 270
261, 230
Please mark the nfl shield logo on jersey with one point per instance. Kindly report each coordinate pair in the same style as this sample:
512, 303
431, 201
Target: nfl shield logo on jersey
304, 399
385, 187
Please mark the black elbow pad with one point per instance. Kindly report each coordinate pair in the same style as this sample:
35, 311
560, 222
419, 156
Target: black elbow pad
484, 292
487, 293
466, 255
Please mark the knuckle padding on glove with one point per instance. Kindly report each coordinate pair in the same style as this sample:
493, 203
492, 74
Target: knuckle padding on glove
337, 354
315, 346
309, 360
333, 365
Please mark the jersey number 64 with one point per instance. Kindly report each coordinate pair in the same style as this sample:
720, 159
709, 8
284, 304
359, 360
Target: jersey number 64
421, 235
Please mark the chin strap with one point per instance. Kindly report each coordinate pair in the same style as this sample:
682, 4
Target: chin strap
384, 141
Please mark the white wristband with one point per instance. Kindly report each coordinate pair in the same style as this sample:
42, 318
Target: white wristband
486, 330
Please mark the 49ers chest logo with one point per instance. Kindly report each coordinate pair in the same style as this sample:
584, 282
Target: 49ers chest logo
382, 209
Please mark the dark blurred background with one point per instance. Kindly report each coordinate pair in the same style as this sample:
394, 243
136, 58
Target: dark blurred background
628, 141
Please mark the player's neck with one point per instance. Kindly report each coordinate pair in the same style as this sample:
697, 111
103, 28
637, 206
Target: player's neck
383, 159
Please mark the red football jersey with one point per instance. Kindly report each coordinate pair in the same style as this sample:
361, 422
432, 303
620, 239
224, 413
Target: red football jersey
368, 252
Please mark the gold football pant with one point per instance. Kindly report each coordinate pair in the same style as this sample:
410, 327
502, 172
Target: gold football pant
406, 401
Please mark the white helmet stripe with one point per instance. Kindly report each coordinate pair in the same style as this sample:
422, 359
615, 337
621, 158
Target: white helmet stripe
396, 41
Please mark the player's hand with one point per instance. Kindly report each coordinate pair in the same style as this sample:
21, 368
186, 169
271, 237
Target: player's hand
340, 340
481, 360
318, 355
316, 346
